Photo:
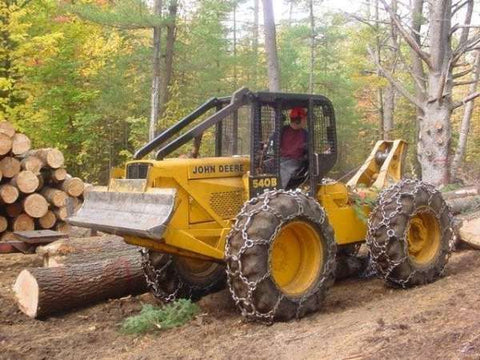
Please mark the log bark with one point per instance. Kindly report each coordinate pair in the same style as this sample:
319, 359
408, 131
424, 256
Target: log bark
460, 193
35, 205
84, 257
20, 144
465, 204
32, 163
54, 196
48, 220
8, 193
73, 186
90, 245
5, 144
44, 291
9, 166
52, 158
26, 181
7, 128
23, 222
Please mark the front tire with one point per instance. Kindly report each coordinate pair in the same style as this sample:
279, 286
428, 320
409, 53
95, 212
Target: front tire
280, 257
410, 234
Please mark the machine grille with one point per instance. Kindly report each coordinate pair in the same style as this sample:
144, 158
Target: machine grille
226, 204
137, 171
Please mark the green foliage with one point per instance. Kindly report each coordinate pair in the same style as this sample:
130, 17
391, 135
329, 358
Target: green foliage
125, 14
152, 318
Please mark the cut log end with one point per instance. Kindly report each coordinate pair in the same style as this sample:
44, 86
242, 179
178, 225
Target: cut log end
35, 205
26, 291
5, 144
20, 144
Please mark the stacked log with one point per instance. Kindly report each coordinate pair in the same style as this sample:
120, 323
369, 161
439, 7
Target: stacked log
35, 188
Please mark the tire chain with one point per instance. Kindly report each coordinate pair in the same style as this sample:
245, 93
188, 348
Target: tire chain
396, 197
159, 275
249, 311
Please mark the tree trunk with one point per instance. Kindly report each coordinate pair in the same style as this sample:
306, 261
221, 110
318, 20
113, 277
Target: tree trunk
155, 96
312, 47
256, 10
465, 125
169, 52
44, 291
273, 68
434, 136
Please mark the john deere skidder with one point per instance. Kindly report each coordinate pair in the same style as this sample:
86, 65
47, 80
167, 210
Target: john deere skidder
205, 221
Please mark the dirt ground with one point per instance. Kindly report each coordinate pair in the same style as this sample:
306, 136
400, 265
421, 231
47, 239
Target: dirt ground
362, 319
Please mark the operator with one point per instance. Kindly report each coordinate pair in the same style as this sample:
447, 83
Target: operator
293, 145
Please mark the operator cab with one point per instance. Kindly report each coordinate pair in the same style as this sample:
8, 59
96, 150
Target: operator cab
250, 124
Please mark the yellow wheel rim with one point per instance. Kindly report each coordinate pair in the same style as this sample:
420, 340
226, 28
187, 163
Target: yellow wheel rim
296, 258
423, 237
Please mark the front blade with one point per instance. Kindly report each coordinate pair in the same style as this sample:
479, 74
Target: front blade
142, 214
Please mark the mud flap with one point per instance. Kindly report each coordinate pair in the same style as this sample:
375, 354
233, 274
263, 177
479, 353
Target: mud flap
144, 214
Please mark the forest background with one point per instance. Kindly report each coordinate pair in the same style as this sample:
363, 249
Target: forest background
77, 75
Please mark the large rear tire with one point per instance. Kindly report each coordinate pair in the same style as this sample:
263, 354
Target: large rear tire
280, 257
410, 234
172, 277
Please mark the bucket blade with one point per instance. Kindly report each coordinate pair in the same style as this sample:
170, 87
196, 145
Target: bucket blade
142, 214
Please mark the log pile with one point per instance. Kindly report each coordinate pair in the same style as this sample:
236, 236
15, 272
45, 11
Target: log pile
36, 192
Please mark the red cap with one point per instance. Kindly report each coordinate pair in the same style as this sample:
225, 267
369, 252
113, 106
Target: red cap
297, 112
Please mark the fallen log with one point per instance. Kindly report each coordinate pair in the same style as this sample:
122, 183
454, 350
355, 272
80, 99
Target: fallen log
465, 204
44, 291
91, 247
460, 193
